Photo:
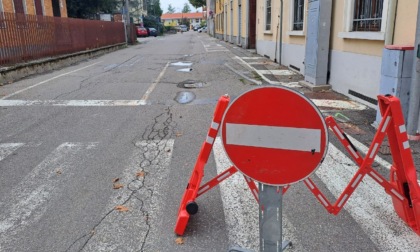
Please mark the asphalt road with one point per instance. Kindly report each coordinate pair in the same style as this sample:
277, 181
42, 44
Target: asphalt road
96, 157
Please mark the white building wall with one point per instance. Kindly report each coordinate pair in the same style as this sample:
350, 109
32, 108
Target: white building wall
357, 72
293, 55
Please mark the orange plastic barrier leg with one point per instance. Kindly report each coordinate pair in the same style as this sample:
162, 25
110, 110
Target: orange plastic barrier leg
188, 205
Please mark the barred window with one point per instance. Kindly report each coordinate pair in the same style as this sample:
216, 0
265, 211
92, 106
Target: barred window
367, 15
298, 12
38, 7
268, 15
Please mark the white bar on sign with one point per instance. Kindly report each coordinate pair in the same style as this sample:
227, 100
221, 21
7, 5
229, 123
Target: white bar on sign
286, 138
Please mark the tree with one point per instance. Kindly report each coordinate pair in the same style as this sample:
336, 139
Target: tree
186, 8
171, 9
87, 9
153, 8
197, 3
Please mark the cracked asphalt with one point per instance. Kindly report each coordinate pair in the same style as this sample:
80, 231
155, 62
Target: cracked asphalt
60, 161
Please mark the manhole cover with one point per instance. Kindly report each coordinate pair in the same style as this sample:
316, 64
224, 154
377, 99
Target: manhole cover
184, 97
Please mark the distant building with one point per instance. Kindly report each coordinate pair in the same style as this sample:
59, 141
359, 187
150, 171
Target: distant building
175, 19
54, 8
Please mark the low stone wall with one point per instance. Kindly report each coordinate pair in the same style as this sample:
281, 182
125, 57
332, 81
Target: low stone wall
13, 73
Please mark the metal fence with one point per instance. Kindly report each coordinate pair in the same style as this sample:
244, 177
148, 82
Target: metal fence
29, 37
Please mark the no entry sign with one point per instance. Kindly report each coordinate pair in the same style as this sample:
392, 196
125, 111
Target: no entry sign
274, 135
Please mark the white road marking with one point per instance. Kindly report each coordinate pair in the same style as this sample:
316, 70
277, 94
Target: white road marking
8, 148
181, 64
72, 103
127, 231
241, 209
277, 72
153, 86
26, 203
286, 138
364, 149
339, 104
45, 81
214, 47
369, 205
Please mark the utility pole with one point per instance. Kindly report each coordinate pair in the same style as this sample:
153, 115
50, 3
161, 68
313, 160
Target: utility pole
414, 104
127, 22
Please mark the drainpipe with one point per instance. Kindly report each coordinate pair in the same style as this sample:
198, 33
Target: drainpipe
281, 31
414, 104
390, 24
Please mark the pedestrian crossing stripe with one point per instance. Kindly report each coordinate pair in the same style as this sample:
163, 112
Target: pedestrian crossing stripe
28, 201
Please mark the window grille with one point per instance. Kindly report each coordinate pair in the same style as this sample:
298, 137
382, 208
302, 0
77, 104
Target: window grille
367, 15
268, 15
298, 12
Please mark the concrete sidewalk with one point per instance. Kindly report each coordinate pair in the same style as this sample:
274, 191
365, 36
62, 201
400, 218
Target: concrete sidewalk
354, 118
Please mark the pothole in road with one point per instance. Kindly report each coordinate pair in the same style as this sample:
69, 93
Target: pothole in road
192, 84
184, 97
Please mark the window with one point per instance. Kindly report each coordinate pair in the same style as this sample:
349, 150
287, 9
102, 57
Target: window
367, 15
39, 7
268, 15
365, 19
298, 12
1, 5
18, 6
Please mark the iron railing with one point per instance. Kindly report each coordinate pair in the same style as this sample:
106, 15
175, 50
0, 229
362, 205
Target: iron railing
29, 37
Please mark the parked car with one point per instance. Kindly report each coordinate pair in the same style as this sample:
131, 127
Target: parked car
183, 28
196, 27
141, 31
203, 29
152, 31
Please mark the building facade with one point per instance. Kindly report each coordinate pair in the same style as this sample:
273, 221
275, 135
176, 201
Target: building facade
55, 8
175, 19
234, 21
359, 31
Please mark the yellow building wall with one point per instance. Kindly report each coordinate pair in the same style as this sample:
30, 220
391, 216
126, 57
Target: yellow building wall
8, 6
219, 16
405, 22
30, 7
287, 24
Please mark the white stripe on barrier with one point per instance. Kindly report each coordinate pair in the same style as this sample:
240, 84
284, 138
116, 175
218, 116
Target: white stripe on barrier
227, 174
397, 194
352, 151
343, 200
308, 182
388, 118
376, 177
406, 145
209, 139
375, 147
338, 132
203, 189
324, 202
356, 180
214, 125
286, 138
402, 128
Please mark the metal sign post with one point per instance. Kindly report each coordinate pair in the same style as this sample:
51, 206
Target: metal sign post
270, 219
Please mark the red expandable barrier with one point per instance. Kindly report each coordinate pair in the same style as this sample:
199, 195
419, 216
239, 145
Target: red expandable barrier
188, 205
403, 172
403, 186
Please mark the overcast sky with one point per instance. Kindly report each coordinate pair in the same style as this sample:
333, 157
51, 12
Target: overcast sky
177, 4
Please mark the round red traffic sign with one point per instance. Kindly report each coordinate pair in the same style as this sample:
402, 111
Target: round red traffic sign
274, 135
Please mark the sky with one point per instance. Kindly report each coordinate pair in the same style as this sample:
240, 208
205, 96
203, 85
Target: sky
177, 4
